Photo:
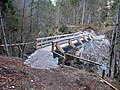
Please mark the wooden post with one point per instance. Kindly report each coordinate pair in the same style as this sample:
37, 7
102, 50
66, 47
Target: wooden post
86, 38
89, 36
103, 74
79, 41
53, 46
63, 62
71, 44
36, 46
65, 58
59, 48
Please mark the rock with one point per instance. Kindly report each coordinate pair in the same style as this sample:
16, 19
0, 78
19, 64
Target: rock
96, 50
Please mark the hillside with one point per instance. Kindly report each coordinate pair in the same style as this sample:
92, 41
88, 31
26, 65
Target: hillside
59, 44
16, 76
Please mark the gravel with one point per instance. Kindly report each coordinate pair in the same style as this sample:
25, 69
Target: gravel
42, 59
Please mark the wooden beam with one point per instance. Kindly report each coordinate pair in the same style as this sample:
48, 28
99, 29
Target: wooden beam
89, 36
86, 38
59, 48
53, 45
71, 44
58, 54
80, 41
103, 80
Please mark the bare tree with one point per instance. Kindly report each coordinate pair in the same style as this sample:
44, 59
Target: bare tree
4, 35
58, 13
83, 13
113, 53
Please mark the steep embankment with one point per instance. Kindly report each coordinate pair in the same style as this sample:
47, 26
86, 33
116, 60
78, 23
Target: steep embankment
16, 76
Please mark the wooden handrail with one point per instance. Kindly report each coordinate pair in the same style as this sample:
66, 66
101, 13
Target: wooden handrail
87, 60
69, 38
58, 54
58, 36
47, 41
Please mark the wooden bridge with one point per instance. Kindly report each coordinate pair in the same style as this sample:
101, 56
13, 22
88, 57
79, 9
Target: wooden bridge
63, 39
61, 45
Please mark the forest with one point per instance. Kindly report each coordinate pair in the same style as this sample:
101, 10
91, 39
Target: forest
22, 21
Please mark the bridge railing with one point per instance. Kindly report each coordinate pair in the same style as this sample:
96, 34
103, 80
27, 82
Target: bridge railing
70, 41
72, 37
46, 41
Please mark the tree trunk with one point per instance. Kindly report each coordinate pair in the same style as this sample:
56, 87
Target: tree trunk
4, 35
30, 30
89, 18
22, 27
83, 13
113, 53
38, 11
74, 16
58, 14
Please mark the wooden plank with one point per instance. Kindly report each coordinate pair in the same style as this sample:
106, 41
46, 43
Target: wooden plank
58, 54
59, 36
68, 38
38, 47
103, 80
47, 41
